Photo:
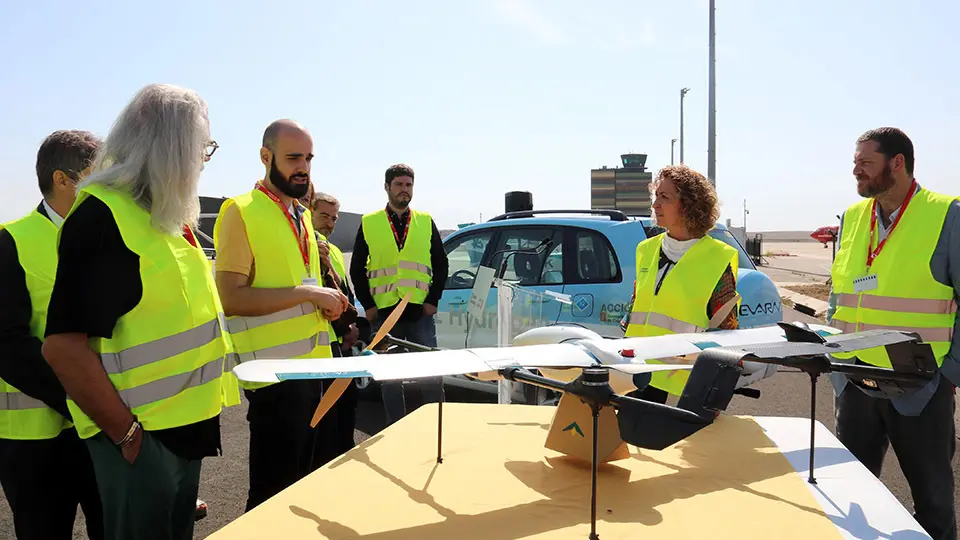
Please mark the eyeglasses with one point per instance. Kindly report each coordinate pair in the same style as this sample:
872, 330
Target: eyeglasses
210, 149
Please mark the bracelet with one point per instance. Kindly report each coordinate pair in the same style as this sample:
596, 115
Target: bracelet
128, 438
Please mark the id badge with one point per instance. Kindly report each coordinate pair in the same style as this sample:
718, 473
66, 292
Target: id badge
866, 283
310, 281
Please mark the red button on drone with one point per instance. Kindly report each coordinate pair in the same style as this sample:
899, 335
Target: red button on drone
627, 353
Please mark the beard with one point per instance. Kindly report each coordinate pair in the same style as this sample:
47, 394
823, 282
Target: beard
878, 184
400, 201
286, 185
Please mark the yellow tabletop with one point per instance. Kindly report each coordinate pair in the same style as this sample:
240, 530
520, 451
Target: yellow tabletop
497, 481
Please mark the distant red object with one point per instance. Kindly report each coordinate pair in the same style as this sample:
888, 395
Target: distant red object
825, 234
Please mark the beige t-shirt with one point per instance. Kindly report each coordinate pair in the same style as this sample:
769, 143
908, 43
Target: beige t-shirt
233, 248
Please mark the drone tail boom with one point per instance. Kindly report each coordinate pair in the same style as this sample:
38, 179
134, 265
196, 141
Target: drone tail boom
708, 391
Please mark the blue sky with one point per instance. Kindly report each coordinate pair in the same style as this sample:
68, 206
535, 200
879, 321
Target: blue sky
489, 96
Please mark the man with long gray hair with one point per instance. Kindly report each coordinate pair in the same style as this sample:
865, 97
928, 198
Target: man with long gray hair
133, 331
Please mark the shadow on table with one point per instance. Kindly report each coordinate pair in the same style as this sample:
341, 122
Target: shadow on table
741, 457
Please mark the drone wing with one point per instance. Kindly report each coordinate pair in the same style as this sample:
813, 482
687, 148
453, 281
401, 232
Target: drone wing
792, 351
671, 345
413, 365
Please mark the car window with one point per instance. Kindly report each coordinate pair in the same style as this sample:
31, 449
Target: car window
727, 237
595, 259
552, 273
530, 268
464, 255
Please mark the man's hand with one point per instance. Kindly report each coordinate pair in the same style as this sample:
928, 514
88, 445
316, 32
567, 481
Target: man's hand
371, 314
350, 339
323, 249
131, 451
83, 378
429, 310
331, 302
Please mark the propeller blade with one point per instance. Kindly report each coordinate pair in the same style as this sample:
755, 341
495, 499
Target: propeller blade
388, 324
339, 386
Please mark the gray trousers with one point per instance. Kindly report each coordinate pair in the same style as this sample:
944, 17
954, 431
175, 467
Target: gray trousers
424, 332
924, 446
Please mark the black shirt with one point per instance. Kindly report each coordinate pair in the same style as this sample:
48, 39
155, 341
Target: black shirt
438, 264
98, 281
21, 362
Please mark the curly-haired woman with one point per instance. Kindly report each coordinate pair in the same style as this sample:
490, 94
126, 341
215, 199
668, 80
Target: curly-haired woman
686, 279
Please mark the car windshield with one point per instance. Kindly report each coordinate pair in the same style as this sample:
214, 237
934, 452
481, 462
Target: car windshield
724, 235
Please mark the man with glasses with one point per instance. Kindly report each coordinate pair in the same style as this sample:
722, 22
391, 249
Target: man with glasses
133, 329
45, 469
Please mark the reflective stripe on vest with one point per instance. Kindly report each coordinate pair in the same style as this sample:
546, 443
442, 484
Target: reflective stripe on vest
675, 326
166, 356
927, 335
168, 387
21, 416
393, 273
18, 401
906, 297
681, 304
296, 332
396, 286
408, 265
160, 349
294, 349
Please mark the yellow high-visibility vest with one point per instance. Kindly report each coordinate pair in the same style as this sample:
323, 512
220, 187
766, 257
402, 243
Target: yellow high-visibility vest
296, 332
340, 267
906, 296
168, 355
681, 304
21, 416
393, 273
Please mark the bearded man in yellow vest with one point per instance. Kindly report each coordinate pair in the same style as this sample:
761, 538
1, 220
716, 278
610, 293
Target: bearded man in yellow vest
398, 251
898, 267
686, 280
268, 275
45, 469
134, 327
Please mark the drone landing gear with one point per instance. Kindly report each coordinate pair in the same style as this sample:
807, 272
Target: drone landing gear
595, 409
440, 425
813, 423
591, 388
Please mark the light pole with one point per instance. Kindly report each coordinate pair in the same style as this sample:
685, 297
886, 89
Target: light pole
712, 104
745, 212
673, 142
683, 92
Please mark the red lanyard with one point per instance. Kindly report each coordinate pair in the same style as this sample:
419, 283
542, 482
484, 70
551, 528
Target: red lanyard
872, 253
188, 234
302, 241
406, 227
